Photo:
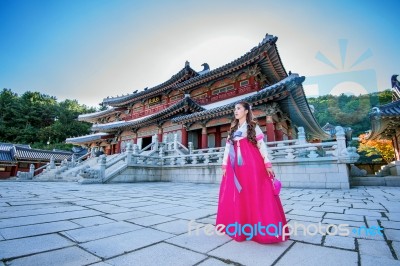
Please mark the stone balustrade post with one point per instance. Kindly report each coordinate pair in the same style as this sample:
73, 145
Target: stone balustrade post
102, 172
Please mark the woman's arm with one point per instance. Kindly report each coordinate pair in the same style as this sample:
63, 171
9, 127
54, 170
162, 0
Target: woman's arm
262, 147
226, 153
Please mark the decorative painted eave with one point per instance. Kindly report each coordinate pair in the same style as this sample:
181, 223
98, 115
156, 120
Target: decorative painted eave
266, 53
184, 105
227, 106
298, 109
89, 138
384, 120
91, 117
183, 74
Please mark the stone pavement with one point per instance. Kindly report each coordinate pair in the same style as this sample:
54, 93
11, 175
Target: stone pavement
147, 224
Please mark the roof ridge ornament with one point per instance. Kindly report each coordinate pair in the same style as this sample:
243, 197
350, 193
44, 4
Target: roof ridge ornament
187, 64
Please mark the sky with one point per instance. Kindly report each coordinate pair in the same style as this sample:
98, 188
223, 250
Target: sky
90, 49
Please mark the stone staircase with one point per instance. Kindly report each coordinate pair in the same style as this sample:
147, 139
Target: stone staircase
388, 175
68, 173
392, 168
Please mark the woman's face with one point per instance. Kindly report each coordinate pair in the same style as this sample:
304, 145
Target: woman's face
240, 112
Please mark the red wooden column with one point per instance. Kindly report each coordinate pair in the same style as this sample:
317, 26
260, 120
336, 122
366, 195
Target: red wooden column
270, 129
184, 136
218, 137
204, 144
160, 133
278, 131
396, 145
135, 138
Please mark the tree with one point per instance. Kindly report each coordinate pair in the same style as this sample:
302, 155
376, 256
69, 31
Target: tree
34, 118
381, 149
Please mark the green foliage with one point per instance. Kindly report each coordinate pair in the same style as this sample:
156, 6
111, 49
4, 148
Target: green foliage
348, 110
34, 118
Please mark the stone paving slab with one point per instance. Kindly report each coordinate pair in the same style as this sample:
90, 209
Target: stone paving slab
22, 213
91, 221
131, 214
152, 220
37, 229
46, 218
72, 256
162, 252
213, 262
125, 242
25, 246
310, 255
199, 240
339, 242
148, 223
256, 254
367, 260
176, 227
100, 231
374, 248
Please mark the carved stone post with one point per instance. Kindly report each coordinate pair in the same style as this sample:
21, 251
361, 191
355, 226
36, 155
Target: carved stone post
302, 136
102, 172
52, 163
129, 152
31, 171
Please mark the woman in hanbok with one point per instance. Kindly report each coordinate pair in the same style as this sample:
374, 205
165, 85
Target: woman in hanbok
248, 208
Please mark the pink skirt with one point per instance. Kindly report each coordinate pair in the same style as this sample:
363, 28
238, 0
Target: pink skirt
255, 213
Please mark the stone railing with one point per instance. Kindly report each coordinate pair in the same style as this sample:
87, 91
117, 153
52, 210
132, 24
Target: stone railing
296, 162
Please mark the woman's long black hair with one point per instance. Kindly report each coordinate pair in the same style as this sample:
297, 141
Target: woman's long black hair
251, 124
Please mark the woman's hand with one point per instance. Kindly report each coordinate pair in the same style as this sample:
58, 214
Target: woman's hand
270, 171
223, 172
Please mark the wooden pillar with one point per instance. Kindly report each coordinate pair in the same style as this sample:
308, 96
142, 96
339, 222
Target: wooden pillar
204, 144
160, 133
218, 137
396, 146
119, 145
278, 132
270, 129
184, 136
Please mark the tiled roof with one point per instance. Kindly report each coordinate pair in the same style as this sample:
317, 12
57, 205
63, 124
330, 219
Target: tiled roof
266, 54
228, 105
9, 146
288, 92
181, 75
266, 51
185, 103
387, 110
6, 156
96, 115
22, 153
87, 138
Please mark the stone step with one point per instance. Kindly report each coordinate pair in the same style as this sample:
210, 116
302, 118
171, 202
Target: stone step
389, 181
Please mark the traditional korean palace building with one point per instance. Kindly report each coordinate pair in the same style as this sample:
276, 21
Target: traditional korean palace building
198, 105
18, 157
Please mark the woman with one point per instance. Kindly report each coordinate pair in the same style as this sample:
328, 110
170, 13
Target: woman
247, 207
